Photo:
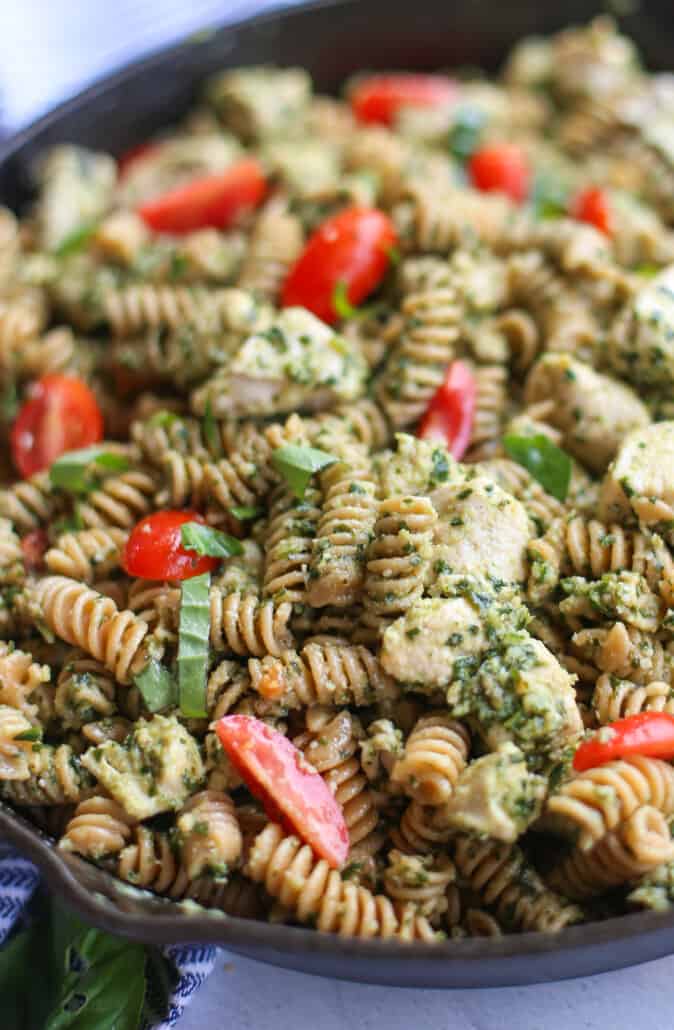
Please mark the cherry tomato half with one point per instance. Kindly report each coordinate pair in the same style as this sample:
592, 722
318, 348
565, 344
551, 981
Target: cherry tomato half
211, 201
290, 789
61, 414
449, 416
353, 248
378, 98
593, 206
154, 549
33, 547
646, 733
501, 168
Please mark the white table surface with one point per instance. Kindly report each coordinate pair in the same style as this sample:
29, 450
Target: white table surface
48, 49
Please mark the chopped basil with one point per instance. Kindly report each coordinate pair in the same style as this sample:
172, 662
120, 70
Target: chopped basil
75, 240
341, 303
34, 733
9, 401
157, 686
547, 463
464, 135
549, 196
211, 434
193, 635
243, 512
76, 471
298, 464
206, 540
163, 418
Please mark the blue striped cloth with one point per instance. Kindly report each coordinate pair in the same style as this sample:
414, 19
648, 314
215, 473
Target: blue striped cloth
18, 881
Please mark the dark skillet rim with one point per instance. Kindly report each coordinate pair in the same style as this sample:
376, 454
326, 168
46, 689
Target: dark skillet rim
101, 899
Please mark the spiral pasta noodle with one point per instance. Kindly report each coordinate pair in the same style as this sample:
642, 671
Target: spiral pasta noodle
317, 894
86, 555
435, 753
288, 543
639, 844
210, 834
614, 698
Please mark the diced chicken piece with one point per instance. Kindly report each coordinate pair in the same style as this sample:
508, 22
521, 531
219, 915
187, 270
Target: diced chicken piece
639, 484
154, 770
304, 166
481, 531
299, 362
415, 467
260, 101
76, 187
495, 796
425, 644
593, 411
640, 344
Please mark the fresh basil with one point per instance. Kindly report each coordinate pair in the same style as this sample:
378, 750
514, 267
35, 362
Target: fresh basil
211, 434
243, 512
34, 733
549, 196
206, 540
193, 636
546, 462
466, 131
157, 686
163, 418
298, 464
75, 240
341, 303
78, 471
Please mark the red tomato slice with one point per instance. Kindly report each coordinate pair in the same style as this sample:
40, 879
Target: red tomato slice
215, 201
449, 416
290, 789
378, 98
61, 414
646, 733
154, 549
133, 155
593, 206
34, 545
352, 247
501, 168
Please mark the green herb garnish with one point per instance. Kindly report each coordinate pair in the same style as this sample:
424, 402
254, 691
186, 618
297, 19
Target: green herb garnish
343, 306
34, 733
78, 472
211, 434
193, 634
243, 513
157, 686
549, 196
206, 540
298, 464
163, 418
464, 136
75, 240
546, 462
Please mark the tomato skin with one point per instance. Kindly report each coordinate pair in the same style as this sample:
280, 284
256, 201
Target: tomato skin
154, 549
593, 206
291, 790
61, 414
210, 201
352, 247
449, 416
501, 168
134, 155
33, 546
378, 98
646, 733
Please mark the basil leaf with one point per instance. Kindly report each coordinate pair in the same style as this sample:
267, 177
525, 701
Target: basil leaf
549, 196
243, 513
157, 686
105, 987
9, 401
211, 434
75, 240
206, 540
73, 471
464, 136
341, 303
298, 464
34, 733
193, 634
547, 463
163, 418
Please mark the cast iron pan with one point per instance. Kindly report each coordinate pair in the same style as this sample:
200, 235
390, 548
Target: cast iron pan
332, 40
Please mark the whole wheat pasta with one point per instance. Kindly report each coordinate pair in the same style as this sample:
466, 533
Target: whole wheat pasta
435, 753
87, 555
614, 698
209, 834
